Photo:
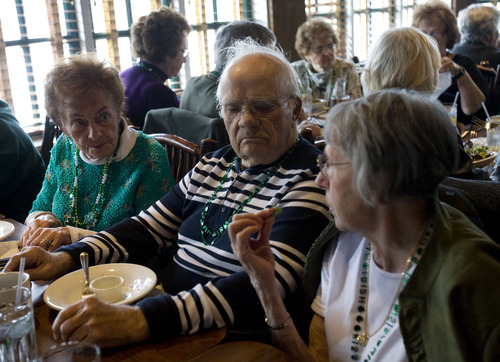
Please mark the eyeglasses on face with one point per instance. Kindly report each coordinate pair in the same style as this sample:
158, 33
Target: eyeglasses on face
437, 34
185, 52
323, 163
257, 107
322, 48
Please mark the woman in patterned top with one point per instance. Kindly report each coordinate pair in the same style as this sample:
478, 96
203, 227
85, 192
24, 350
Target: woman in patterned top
322, 76
100, 170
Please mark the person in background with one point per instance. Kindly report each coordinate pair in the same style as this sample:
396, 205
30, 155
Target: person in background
391, 64
200, 92
322, 76
399, 275
478, 25
21, 167
100, 170
436, 19
266, 165
159, 41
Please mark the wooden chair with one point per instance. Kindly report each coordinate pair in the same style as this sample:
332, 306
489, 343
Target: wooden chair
183, 155
51, 132
491, 77
307, 134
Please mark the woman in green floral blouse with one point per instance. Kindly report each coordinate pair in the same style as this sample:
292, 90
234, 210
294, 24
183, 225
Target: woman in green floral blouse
100, 170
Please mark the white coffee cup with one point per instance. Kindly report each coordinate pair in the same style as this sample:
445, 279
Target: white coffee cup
108, 288
9, 280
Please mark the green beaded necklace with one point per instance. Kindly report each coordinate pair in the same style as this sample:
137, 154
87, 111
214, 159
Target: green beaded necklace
206, 232
361, 336
90, 220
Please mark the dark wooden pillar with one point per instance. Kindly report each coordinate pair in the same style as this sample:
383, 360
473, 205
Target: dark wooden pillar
458, 5
285, 16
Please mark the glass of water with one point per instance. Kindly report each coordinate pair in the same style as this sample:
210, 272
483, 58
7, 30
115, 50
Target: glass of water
17, 326
493, 134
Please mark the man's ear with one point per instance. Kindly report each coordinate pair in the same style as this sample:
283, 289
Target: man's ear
298, 107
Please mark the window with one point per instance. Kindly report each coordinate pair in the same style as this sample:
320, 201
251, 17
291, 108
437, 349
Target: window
360, 22
34, 33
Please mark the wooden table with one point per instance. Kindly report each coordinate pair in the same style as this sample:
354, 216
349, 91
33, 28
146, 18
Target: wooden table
201, 347
242, 351
181, 348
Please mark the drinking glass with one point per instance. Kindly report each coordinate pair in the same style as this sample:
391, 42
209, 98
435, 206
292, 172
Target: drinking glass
339, 92
307, 102
493, 134
17, 326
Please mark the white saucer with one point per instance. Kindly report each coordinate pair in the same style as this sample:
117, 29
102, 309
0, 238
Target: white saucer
6, 228
138, 282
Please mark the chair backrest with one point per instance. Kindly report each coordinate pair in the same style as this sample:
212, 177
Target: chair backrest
307, 134
479, 200
491, 77
189, 125
50, 133
183, 155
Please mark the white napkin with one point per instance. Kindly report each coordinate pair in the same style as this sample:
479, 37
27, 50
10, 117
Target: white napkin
443, 84
8, 248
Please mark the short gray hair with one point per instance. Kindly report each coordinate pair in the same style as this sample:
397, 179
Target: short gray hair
240, 29
402, 58
475, 21
401, 144
248, 46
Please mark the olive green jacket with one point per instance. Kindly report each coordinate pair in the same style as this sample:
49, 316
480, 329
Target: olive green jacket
450, 308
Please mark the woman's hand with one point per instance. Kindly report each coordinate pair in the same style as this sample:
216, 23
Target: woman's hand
447, 65
90, 320
46, 237
249, 235
470, 94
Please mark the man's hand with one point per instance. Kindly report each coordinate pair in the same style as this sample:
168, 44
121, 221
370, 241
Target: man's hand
107, 325
42, 265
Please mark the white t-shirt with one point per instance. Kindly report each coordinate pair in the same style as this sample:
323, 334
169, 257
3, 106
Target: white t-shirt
337, 301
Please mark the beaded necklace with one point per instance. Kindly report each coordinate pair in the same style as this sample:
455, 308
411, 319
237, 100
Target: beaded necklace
216, 234
89, 220
361, 336
151, 70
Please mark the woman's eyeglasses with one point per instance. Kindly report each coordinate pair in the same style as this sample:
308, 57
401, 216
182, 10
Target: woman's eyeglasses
323, 163
322, 48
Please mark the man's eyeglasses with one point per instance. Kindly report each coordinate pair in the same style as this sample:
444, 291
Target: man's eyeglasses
257, 107
321, 49
323, 163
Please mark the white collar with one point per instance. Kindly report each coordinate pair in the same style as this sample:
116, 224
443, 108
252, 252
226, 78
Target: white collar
127, 142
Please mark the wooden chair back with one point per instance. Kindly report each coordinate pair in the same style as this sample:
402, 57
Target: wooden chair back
50, 133
183, 155
489, 75
307, 134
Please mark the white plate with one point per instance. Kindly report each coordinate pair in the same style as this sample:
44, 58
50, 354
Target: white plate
6, 228
138, 282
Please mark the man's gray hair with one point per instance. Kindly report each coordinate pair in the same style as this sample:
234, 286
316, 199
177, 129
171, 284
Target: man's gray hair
242, 48
401, 144
475, 21
239, 29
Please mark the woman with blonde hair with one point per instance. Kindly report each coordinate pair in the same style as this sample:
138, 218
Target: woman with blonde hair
402, 58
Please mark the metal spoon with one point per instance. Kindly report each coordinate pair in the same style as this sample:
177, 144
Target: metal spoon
84, 260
